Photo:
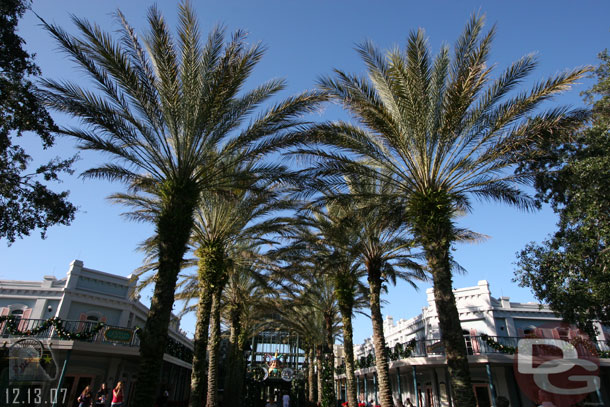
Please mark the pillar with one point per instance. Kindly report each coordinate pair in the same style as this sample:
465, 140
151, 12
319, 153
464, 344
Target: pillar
398, 383
414, 370
491, 385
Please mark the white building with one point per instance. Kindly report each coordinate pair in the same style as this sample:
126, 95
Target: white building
82, 299
491, 370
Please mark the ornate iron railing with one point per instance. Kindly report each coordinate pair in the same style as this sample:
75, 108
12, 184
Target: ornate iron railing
475, 345
107, 334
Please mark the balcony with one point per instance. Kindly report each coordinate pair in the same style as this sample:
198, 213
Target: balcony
108, 334
475, 345
129, 337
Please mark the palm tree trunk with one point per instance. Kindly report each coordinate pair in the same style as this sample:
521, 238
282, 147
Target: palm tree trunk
200, 343
434, 229
452, 336
320, 375
173, 230
213, 348
348, 347
311, 380
328, 363
235, 372
381, 360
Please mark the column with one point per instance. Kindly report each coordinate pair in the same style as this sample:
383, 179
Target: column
436, 388
398, 383
414, 370
491, 385
375, 387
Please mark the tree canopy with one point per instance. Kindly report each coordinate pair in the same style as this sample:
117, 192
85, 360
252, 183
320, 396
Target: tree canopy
569, 270
26, 202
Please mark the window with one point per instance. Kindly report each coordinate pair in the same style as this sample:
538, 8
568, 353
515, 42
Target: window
530, 330
17, 313
94, 318
468, 341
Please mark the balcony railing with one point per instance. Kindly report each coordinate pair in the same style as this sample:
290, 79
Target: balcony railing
108, 334
475, 345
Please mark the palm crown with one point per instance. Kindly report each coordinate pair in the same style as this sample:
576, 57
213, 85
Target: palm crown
446, 124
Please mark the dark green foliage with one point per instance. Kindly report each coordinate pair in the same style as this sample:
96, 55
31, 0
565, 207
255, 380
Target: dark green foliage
569, 270
26, 203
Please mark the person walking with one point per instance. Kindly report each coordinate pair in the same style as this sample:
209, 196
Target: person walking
84, 400
101, 396
117, 395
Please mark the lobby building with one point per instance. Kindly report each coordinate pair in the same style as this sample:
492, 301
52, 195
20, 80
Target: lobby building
103, 354
490, 326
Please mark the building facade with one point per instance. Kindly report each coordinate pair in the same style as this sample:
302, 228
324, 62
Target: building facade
488, 324
104, 354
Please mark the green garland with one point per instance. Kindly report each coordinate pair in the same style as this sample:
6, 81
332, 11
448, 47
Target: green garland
402, 351
492, 343
13, 328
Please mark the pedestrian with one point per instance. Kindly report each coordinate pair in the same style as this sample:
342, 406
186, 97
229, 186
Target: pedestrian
117, 395
101, 396
84, 400
409, 404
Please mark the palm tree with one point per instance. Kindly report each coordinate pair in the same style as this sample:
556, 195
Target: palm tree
166, 113
307, 306
244, 301
328, 241
441, 131
385, 255
228, 232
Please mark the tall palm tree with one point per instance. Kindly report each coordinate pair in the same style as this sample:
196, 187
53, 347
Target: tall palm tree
442, 131
385, 254
228, 232
244, 301
328, 241
307, 306
165, 113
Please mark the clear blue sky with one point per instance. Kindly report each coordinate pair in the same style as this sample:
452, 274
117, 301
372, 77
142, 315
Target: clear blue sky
306, 39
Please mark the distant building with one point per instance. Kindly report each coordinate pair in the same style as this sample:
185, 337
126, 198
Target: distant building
423, 377
82, 299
